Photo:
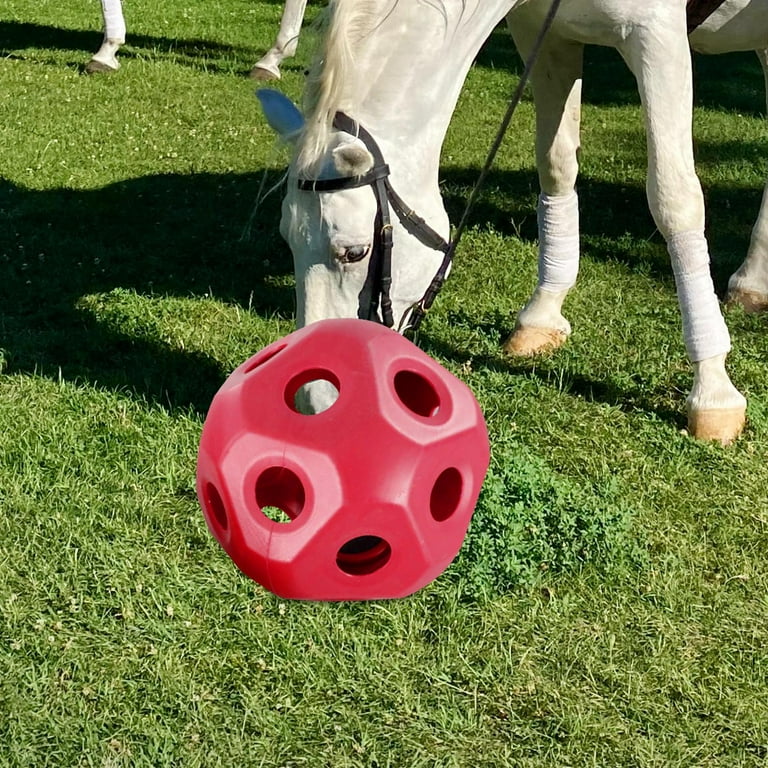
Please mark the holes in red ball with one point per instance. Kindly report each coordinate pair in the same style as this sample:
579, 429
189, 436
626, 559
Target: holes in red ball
325, 391
263, 357
280, 494
417, 393
446, 494
215, 506
363, 555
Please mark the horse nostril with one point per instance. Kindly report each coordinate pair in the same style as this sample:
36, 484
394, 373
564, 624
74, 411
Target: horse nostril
354, 254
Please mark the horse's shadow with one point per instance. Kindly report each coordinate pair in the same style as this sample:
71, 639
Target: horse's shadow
17, 35
168, 235
182, 235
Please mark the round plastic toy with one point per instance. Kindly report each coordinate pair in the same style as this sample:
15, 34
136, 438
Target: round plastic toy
366, 500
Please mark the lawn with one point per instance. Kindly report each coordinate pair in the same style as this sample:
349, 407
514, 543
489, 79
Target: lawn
609, 606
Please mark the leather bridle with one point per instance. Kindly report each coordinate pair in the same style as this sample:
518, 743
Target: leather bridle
379, 279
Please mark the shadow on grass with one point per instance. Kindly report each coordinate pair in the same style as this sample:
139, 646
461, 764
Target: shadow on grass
159, 235
19, 36
499, 52
182, 236
628, 400
731, 81
507, 203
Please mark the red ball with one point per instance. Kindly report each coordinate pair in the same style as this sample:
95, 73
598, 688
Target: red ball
375, 493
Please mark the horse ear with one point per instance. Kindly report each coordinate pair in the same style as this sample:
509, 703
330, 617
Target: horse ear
352, 158
282, 114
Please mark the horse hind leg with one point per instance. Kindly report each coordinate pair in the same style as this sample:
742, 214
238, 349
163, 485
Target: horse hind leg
105, 59
268, 66
660, 60
540, 326
748, 286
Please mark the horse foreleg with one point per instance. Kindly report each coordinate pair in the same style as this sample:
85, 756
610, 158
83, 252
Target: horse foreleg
556, 79
105, 59
268, 66
660, 60
748, 286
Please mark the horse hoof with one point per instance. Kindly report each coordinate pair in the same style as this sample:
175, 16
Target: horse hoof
753, 303
94, 66
260, 73
527, 342
722, 425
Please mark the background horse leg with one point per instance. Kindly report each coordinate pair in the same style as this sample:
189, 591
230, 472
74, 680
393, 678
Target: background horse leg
268, 66
556, 80
748, 286
105, 59
660, 60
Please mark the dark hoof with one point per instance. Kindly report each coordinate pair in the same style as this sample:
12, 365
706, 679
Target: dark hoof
259, 73
94, 67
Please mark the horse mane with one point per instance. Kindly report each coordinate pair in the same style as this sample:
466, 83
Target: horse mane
331, 83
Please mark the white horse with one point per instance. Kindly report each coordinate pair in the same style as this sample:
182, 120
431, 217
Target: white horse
397, 68
267, 68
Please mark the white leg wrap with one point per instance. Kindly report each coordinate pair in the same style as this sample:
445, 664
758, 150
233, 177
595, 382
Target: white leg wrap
558, 241
114, 23
704, 329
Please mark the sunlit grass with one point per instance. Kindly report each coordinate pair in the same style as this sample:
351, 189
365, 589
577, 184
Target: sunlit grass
609, 607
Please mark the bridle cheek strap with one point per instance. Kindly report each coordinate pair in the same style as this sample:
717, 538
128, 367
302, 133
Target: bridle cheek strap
379, 279
413, 223
381, 265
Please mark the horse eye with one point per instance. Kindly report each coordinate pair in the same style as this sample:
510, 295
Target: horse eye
354, 253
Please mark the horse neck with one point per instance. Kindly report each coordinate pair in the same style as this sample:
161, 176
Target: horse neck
410, 72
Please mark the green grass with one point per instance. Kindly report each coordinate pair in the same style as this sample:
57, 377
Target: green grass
609, 606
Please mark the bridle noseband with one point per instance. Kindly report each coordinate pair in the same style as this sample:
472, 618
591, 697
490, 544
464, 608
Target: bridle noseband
379, 279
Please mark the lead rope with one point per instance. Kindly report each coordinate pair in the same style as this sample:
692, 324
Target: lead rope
411, 321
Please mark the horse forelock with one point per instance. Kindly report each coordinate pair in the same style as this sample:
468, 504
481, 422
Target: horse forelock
331, 83
333, 80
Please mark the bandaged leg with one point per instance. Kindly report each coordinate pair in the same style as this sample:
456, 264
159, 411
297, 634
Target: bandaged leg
114, 23
540, 324
704, 329
105, 59
716, 408
558, 219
